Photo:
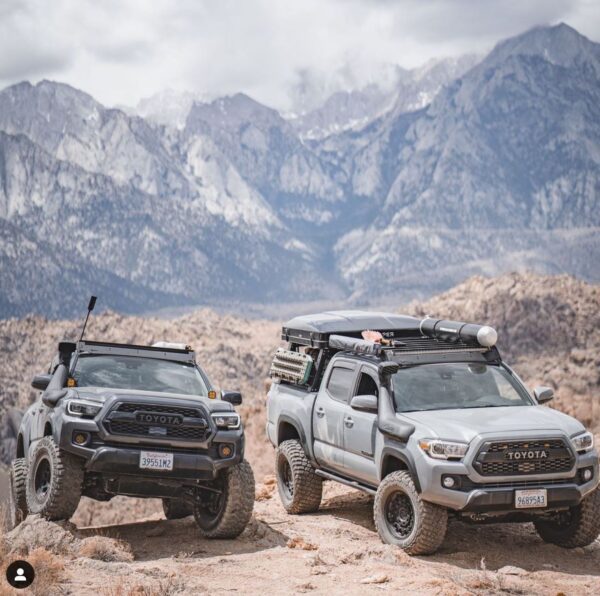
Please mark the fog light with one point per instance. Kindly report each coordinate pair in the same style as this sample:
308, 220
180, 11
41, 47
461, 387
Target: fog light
587, 474
80, 438
225, 450
448, 482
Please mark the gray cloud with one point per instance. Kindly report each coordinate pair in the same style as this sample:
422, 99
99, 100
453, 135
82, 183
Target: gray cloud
121, 50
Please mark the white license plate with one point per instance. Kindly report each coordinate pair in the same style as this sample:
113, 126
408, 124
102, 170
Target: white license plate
527, 499
153, 460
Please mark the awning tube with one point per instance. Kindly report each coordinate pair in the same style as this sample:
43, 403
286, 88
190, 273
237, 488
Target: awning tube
483, 334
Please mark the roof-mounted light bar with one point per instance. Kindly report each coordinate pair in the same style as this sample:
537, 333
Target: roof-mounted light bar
468, 332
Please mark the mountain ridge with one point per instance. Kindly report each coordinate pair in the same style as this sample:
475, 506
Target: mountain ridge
500, 171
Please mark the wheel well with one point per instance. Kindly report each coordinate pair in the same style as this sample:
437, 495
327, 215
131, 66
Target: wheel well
48, 430
286, 432
20, 446
392, 464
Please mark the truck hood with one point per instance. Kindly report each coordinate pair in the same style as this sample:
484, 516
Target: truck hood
466, 424
101, 395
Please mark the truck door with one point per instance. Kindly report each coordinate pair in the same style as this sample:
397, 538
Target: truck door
328, 414
359, 432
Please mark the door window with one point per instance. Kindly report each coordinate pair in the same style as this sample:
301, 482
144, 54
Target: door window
340, 383
367, 385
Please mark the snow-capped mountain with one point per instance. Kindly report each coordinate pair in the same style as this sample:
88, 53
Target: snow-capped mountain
168, 107
467, 167
409, 90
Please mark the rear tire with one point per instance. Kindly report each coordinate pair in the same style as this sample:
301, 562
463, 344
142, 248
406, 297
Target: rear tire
177, 508
300, 489
579, 526
226, 513
404, 519
54, 481
17, 497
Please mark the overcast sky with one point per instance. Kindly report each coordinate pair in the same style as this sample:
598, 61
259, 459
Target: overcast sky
122, 50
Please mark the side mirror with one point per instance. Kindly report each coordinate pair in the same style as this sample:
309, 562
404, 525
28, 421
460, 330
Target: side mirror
364, 403
41, 382
543, 394
233, 397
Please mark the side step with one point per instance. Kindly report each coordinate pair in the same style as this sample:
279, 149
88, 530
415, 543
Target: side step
342, 480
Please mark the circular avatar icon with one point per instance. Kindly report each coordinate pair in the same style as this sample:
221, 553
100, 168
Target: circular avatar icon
20, 574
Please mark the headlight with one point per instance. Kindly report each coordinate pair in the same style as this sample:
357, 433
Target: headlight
85, 409
443, 449
228, 420
583, 442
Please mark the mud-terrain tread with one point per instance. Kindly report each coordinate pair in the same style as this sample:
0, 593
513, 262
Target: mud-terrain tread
66, 483
308, 487
177, 508
17, 507
433, 518
583, 532
240, 491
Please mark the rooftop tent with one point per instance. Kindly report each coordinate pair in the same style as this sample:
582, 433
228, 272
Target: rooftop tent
314, 330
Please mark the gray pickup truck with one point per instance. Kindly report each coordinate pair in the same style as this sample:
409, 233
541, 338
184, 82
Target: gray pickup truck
141, 421
429, 420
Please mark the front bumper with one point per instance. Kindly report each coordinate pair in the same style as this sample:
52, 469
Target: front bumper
112, 461
478, 495
108, 456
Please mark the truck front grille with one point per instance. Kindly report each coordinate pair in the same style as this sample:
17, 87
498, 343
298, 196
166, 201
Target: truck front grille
191, 425
523, 457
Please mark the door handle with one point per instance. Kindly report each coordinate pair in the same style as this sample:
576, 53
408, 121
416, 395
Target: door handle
320, 412
349, 422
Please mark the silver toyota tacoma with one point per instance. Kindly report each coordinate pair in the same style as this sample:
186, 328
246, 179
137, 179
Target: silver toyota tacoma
426, 416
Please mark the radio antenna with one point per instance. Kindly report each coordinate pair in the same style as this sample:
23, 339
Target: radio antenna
90, 308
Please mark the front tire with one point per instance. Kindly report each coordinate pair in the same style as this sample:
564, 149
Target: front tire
17, 497
225, 510
54, 481
404, 519
300, 489
579, 526
177, 508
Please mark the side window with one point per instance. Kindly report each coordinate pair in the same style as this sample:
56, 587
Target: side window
367, 385
340, 383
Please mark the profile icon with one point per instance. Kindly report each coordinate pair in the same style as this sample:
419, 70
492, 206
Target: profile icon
20, 574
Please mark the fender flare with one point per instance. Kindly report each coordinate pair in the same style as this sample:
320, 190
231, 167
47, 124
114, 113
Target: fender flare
295, 422
405, 457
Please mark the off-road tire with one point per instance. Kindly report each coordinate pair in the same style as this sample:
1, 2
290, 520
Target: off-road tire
64, 481
177, 508
579, 526
423, 525
17, 498
235, 510
300, 489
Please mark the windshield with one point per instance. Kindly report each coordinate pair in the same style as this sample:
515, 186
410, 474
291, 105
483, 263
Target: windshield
144, 374
456, 385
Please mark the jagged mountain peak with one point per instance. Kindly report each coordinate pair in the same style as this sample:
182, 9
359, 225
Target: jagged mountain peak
559, 44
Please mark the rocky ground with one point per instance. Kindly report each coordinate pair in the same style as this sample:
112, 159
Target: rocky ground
548, 328
335, 551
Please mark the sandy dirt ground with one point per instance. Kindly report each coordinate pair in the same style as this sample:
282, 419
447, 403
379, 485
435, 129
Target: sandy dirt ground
335, 551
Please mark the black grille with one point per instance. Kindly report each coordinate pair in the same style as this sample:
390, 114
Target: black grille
538, 444
187, 412
494, 458
122, 421
120, 427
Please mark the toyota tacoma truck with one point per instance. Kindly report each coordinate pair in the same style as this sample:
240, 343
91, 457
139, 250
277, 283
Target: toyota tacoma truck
115, 419
431, 421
